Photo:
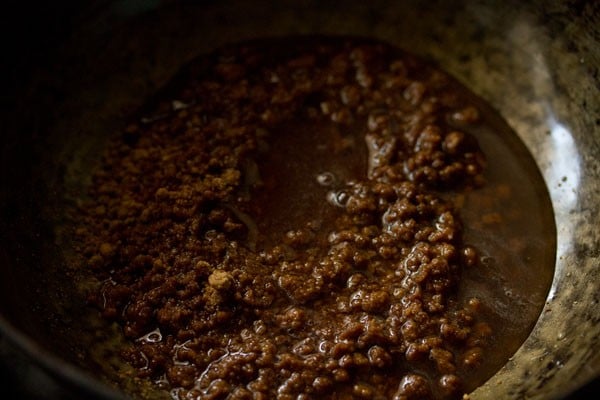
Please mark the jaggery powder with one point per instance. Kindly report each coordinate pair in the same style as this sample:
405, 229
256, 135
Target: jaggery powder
280, 224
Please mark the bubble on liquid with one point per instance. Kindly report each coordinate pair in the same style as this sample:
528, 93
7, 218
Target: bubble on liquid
488, 261
211, 235
326, 178
176, 359
146, 361
324, 346
162, 382
151, 337
175, 393
179, 105
338, 198
105, 283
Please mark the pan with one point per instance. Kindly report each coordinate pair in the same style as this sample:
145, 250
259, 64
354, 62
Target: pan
535, 63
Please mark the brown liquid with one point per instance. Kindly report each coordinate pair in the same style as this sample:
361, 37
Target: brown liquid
304, 164
295, 180
509, 220
518, 252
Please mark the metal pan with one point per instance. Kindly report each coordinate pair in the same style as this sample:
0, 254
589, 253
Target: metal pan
535, 62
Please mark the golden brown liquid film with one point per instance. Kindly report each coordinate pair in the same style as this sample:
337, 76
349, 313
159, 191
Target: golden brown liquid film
509, 220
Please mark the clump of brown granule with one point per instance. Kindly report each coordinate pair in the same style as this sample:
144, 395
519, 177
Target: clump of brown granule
228, 286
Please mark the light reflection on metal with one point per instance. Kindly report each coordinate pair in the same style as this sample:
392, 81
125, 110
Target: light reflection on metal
562, 175
564, 172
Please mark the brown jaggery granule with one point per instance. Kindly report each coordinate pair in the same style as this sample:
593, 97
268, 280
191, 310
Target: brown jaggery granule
345, 289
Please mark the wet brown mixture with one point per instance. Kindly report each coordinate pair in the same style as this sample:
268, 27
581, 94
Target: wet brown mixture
285, 225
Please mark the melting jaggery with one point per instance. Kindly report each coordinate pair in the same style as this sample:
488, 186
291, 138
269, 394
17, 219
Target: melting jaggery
281, 223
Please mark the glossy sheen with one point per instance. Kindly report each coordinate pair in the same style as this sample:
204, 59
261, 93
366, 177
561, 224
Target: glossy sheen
538, 65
